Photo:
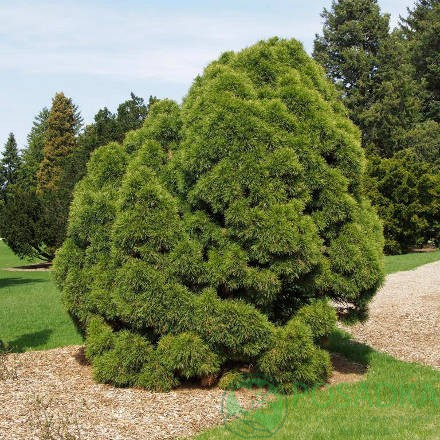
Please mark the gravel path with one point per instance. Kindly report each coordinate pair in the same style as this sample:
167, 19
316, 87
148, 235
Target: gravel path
405, 316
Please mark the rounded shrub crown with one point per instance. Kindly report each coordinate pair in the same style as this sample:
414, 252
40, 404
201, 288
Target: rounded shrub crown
212, 230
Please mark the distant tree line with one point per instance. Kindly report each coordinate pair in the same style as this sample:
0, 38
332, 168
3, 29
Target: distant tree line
390, 83
36, 184
388, 80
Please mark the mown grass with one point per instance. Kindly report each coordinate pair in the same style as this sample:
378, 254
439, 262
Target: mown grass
31, 314
398, 263
396, 400
9, 259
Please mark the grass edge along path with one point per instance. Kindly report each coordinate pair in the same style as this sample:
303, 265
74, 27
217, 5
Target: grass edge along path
400, 263
396, 400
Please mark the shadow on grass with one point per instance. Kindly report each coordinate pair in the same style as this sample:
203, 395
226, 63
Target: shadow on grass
342, 342
30, 340
35, 266
9, 282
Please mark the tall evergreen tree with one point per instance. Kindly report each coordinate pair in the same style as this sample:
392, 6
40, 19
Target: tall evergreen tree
21, 219
422, 28
112, 127
35, 208
131, 115
349, 50
58, 171
389, 83
59, 146
407, 195
105, 127
10, 162
396, 99
33, 154
424, 142
34, 212
33, 216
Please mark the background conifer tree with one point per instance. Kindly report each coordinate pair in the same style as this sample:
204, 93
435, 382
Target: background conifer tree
422, 28
34, 213
348, 49
396, 99
33, 153
10, 163
390, 83
54, 172
58, 171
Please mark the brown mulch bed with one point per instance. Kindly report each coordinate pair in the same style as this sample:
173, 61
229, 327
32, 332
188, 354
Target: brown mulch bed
56, 383
53, 390
404, 318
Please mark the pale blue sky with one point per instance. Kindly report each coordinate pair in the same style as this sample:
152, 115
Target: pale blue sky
98, 51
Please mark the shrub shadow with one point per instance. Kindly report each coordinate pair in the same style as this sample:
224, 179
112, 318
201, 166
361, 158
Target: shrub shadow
80, 357
342, 342
30, 340
8, 282
32, 267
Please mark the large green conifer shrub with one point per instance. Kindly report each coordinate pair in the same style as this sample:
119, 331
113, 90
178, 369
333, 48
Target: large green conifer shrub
210, 228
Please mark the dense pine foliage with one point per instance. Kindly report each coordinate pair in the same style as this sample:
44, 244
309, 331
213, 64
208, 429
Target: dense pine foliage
407, 194
214, 235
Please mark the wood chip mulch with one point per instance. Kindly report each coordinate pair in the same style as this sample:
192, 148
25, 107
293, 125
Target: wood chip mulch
55, 385
51, 394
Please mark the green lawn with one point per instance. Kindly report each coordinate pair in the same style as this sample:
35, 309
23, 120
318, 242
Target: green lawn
407, 405
398, 263
31, 314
